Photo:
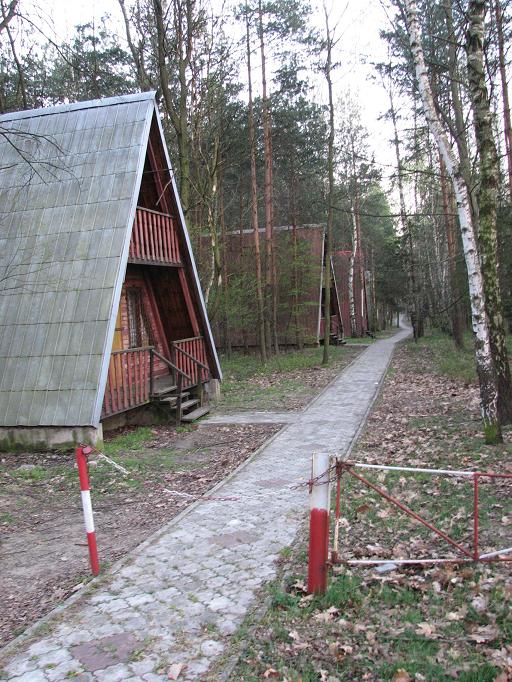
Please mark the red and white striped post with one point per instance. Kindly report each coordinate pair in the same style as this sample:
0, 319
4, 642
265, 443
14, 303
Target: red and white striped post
319, 524
83, 473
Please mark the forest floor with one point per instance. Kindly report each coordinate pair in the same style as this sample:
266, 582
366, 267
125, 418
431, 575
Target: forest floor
43, 555
289, 381
434, 623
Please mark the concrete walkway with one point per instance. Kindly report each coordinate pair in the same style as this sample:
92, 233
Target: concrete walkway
184, 591
253, 418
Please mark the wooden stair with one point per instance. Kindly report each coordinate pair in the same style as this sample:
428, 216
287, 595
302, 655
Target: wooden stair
195, 414
165, 393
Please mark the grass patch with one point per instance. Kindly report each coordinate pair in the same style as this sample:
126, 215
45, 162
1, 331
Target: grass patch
287, 381
36, 473
436, 351
132, 440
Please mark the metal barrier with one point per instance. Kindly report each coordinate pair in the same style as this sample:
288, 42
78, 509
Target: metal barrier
326, 471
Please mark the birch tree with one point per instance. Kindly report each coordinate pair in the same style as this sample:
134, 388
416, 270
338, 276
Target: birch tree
484, 361
488, 203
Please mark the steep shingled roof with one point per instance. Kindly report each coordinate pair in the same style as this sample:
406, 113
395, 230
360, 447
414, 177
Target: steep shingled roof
69, 184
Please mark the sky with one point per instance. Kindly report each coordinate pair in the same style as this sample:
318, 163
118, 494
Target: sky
356, 24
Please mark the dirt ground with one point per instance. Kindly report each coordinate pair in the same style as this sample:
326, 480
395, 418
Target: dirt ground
43, 556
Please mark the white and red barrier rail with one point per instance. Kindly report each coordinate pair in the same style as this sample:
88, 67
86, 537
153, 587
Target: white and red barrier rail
81, 454
328, 469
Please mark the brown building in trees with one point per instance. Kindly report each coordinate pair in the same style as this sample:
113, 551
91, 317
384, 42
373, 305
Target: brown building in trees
300, 256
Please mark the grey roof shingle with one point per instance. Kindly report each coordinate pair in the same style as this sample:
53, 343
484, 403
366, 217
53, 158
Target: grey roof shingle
69, 180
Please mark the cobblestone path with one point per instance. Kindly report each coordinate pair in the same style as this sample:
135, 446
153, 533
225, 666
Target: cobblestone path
180, 595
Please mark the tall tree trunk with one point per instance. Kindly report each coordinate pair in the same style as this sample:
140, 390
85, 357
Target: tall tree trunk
224, 266
484, 360
295, 273
351, 273
404, 223
507, 131
212, 213
262, 343
19, 67
488, 203
143, 80
330, 194
8, 13
461, 138
455, 309
270, 266
177, 114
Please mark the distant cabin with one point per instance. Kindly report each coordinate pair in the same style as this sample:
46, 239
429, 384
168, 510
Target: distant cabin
101, 310
300, 267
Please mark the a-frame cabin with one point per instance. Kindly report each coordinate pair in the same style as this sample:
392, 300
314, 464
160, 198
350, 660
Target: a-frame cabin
101, 310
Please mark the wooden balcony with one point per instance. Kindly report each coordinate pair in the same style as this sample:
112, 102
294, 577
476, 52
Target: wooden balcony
154, 239
131, 373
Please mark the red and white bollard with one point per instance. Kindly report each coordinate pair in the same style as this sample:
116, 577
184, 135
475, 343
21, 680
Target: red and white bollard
83, 473
320, 498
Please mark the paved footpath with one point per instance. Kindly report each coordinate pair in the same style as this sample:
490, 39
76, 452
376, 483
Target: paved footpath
185, 590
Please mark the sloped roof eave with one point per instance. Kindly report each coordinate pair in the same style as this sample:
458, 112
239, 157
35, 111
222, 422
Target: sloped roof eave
195, 274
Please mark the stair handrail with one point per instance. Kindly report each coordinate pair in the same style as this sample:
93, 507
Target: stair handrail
169, 363
188, 355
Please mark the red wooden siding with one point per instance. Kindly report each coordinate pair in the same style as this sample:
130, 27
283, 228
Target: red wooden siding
171, 303
128, 381
135, 278
154, 238
335, 325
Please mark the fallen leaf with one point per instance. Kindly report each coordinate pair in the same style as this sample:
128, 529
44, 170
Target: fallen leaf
501, 677
486, 633
174, 671
479, 604
460, 614
328, 615
425, 629
271, 673
401, 675
304, 601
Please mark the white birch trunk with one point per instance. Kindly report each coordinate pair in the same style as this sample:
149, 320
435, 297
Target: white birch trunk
480, 323
351, 270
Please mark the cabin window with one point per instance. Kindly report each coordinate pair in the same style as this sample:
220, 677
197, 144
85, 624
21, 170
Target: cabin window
139, 329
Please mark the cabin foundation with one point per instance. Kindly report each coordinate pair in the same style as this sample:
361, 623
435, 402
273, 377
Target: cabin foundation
49, 437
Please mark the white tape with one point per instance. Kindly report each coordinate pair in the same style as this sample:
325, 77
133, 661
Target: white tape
321, 489
88, 518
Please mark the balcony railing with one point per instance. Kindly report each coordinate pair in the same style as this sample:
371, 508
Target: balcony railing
131, 374
154, 238
128, 380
